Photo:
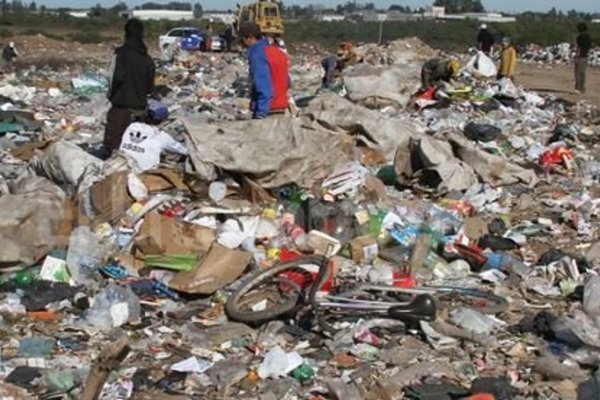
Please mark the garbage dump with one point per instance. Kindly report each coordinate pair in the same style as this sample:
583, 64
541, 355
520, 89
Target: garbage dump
367, 247
563, 53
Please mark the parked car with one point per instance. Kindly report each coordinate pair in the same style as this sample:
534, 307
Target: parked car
218, 44
191, 39
177, 35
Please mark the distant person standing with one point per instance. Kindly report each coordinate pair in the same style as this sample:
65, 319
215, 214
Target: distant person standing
9, 53
269, 73
131, 81
485, 40
508, 60
208, 35
584, 43
229, 36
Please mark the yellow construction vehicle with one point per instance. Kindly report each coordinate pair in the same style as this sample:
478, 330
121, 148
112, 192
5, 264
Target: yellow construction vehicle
266, 14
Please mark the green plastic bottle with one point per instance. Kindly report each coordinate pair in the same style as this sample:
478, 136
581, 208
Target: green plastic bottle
303, 374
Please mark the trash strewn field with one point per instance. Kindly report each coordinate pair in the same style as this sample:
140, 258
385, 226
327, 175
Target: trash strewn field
368, 247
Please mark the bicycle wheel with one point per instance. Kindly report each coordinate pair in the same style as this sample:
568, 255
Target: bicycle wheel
269, 294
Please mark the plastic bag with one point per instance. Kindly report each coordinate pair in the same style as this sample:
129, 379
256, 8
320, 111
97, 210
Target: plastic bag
557, 156
482, 65
113, 306
591, 299
481, 132
86, 252
278, 363
507, 88
136, 188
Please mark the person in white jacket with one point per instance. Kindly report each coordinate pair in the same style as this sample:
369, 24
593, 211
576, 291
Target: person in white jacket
145, 143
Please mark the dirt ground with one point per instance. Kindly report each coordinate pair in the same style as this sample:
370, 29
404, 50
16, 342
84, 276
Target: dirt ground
560, 80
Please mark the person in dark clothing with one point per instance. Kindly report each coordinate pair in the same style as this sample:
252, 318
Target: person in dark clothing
131, 82
229, 36
9, 53
334, 65
330, 66
485, 40
436, 70
584, 43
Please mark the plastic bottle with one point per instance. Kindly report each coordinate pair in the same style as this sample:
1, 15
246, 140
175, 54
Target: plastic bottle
303, 374
506, 261
336, 220
267, 225
298, 236
258, 255
434, 262
274, 249
376, 217
23, 279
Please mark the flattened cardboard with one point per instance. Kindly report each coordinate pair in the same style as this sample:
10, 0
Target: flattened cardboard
162, 179
170, 236
220, 267
106, 201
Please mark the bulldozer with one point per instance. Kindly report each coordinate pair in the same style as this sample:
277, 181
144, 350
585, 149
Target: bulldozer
266, 14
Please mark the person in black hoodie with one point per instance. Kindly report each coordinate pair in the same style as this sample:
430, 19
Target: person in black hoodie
131, 82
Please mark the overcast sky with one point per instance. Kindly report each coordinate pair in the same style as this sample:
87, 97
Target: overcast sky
501, 5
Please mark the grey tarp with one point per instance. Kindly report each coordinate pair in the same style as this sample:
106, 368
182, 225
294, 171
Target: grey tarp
273, 151
492, 169
449, 161
66, 163
29, 220
379, 130
434, 163
376, 86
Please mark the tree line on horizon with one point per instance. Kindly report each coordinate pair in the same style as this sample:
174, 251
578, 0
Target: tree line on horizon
294, 11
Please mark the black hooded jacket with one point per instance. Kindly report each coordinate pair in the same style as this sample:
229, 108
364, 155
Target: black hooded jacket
132, 77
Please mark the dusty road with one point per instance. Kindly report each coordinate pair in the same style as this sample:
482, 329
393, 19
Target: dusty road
560, 80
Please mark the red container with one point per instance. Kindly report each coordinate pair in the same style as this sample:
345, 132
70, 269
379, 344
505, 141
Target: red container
305, 280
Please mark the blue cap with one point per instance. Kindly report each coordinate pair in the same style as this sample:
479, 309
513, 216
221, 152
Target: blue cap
158, 111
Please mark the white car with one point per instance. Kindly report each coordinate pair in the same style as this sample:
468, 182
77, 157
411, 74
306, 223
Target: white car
175, 35
218, 44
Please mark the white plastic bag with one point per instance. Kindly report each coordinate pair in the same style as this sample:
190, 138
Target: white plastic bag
482, 65
507, 88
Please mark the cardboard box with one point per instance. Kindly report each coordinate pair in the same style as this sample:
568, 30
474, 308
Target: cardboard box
220, 267
364, 250
163, 235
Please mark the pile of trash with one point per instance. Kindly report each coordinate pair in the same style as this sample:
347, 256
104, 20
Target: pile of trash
563, 53
368, 247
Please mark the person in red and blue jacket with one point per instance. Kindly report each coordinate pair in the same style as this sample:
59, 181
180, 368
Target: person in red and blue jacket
268, 73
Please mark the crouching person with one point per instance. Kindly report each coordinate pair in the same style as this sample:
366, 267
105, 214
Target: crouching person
144, 142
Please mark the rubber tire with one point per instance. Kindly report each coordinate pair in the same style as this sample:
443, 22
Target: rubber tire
255, 279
